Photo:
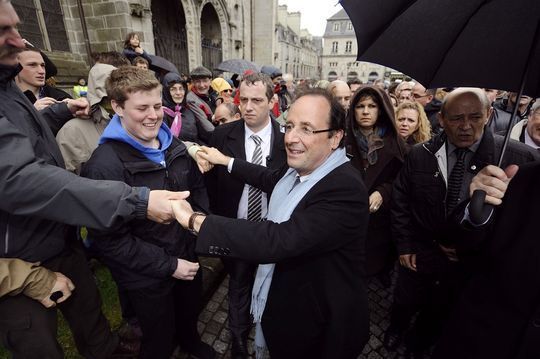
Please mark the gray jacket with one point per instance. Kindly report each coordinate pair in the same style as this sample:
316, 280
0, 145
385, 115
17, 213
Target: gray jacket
39, 198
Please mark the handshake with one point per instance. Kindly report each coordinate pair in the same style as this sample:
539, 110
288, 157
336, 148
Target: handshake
207, 157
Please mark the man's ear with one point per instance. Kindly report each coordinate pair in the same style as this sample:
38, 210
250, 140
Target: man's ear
440, 118
336, 139
119, 110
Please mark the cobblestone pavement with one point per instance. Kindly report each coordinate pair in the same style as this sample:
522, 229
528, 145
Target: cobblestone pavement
213, 322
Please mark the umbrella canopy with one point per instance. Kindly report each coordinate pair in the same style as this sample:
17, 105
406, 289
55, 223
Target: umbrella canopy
445, 43
160, 64
237, 66
271, 71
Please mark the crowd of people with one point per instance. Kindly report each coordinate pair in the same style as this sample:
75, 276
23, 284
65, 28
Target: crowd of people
306, 190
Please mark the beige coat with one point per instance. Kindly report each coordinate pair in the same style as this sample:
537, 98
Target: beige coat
18, 276
78, 138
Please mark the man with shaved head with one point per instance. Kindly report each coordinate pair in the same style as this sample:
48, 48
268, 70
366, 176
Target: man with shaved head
341, 91
433, 181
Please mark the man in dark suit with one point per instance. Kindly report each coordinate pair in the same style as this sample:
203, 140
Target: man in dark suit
498, 313
432, 183
230, 197
312, 302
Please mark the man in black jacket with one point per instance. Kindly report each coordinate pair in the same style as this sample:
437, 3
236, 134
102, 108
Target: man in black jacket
432, 182
40, 200
312, 303
31, 80
154, 264
230, 196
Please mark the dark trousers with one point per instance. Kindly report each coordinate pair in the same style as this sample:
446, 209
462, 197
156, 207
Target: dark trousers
431, 296
28, 329
241, 277
167, 313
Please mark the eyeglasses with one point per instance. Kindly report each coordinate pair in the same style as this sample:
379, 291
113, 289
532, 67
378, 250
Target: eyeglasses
302, 130
227, 90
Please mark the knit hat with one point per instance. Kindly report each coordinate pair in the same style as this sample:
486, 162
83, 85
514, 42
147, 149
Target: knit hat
200, 72
219, 84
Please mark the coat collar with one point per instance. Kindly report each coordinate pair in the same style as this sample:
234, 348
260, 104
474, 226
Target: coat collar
484, 155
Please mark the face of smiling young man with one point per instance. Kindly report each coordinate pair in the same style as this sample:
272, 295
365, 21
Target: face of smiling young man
141, 116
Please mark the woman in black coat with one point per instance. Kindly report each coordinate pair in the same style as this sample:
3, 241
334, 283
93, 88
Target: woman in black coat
378, 152
180, 119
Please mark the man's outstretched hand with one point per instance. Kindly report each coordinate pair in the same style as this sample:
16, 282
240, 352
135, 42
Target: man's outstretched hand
159, 205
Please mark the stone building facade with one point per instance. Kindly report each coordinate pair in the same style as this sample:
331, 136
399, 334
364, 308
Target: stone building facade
187, 32
278, 40
338, 59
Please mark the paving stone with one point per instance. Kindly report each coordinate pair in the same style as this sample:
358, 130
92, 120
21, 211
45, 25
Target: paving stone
220, 347
220, 316
208, 338
213, 327
213, 321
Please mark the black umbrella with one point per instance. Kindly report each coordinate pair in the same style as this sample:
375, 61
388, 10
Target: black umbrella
237, 66
445, 43
159, 64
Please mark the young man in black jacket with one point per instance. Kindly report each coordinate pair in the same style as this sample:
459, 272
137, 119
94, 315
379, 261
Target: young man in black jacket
154, 264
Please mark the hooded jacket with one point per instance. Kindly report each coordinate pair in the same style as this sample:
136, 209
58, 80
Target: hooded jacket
78, 138
379, 176
142, 253
192, 130
38, 193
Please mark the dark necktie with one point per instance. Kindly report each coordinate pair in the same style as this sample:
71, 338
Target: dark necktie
455, 180
255, 194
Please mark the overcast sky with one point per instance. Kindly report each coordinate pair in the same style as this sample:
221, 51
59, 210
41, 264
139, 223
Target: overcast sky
314, 13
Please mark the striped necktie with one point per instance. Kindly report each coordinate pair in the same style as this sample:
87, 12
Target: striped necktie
455, 180
255, 194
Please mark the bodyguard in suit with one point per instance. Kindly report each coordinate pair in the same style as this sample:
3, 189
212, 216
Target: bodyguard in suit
309, 299
257, 139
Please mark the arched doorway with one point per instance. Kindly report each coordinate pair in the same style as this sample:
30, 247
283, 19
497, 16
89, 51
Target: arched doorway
332, 76
169, 25
373, 75
352, 75
211, 40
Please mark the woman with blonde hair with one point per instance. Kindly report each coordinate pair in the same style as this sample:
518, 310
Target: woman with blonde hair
412, 123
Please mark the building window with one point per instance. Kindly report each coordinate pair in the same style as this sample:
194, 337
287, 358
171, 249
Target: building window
349, 26
332, 75
336, 26
348, 46
43, 24
334, 47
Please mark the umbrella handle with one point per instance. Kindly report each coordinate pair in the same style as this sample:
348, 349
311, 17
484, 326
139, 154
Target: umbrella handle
478, 210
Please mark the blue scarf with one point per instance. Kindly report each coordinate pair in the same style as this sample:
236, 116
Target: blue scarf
284, 200
115, 131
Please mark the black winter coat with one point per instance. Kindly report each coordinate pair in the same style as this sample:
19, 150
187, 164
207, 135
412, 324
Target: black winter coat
419, 218
142, 252
498, 315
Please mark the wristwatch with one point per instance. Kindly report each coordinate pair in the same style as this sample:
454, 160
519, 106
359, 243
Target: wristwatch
191, 221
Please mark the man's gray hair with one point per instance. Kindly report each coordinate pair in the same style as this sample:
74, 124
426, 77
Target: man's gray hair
535, 106
478, 92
